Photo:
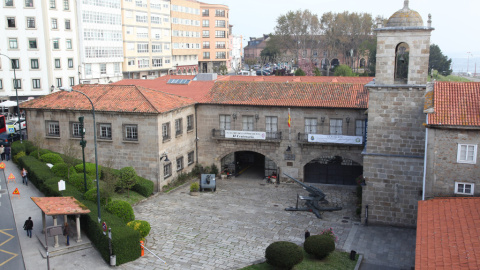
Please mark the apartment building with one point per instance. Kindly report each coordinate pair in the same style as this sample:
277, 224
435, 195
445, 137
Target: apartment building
186, 37
236, 54
146, 38
215, 33
41, 42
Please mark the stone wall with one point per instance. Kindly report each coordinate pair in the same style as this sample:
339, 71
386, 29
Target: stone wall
442, 166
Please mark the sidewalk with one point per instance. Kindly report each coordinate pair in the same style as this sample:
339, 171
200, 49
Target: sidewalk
33, 250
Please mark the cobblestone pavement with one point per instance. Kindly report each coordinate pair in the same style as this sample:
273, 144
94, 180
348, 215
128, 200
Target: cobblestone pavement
231, 228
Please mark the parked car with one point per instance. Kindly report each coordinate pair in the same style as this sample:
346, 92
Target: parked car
7, 138
263, 73
14, 122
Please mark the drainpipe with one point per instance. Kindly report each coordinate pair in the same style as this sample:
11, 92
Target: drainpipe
425, 160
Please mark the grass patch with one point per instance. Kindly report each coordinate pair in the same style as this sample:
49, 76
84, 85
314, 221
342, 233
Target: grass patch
133, 199
449, 78
337, 260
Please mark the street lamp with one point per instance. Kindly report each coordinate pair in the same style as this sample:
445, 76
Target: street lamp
69, 89
14, 66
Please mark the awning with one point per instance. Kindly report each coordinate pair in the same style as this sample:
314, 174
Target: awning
8, 103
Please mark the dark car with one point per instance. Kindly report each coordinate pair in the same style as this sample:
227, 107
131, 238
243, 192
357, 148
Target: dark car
263, 73
8, 138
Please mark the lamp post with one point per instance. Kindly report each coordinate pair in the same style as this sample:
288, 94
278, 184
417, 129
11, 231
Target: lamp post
14, 66
69, 89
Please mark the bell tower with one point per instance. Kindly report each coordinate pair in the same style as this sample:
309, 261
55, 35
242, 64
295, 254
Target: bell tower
394, 154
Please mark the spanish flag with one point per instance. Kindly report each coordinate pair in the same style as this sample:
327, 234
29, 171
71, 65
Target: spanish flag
289, 119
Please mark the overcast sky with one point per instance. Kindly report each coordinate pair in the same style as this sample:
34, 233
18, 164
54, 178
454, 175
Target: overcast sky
456, 22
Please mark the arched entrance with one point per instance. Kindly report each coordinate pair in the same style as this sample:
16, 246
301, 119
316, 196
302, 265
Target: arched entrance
248, 164
332, 170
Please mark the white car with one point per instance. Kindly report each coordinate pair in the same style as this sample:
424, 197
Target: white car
14, 122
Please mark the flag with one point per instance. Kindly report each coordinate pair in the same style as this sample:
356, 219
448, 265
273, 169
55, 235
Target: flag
289, 119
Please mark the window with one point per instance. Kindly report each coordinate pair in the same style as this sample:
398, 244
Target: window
1, 84
71, 81
271, 127
205, 23
310, 125
32, 43
142, 47
56, 44
179, 163
66, 5
103, 69
34, 63
106, 131
59, 82
88, 69
206, 44
167, 170
67, 24
156, 48
190, 122
17, 84
52, 4
359, 127
57, 63
206, 55
15, 63
69, 44
178, 126
54, 24
116, 67
76, 130
9, 3
220, 23
30, 22
191, 158
467, 153
225, 122
220, 45
28, 3
131, 133
205, 33
315, 53
336, 126
464, 188
247, 123
53, 128
70, 62
220, 34
220, 55
166, 131
219, 13
205, 13
36, 83
13, 44
11, 22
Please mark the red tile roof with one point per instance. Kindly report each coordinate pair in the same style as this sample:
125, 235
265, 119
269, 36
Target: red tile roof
111, 98
456, 104
52, 206
448, 234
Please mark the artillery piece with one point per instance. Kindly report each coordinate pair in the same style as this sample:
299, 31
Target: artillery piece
316, 197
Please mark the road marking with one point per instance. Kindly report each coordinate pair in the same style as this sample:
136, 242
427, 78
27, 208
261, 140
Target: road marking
1, 250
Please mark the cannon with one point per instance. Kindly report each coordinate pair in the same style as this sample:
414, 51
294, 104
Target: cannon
313, 201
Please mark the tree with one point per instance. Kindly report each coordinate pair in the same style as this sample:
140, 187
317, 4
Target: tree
128, 178
110, 178
70, 150
38, 141
271, 52
317, 72
299, 72
343, 70
438, 61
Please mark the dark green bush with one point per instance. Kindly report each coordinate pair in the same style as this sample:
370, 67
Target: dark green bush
78, 181
214, 169
60, 170
42, 152
122, 210
284, 254
319, 245
141, 226
51, 158
90, 169
91, 195
17, 147
143, 186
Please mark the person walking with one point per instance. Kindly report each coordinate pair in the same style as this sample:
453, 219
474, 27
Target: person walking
66, 233
2, 152
7, 152
28, 226
24, 177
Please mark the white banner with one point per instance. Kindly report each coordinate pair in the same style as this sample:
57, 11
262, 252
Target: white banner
335, 139
252, 135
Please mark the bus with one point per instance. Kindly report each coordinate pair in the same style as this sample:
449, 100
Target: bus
3, 126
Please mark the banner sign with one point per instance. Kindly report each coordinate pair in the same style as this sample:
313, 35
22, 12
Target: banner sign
341, 139
249, 135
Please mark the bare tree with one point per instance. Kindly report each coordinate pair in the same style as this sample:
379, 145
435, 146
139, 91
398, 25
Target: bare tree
70, 151
38, 141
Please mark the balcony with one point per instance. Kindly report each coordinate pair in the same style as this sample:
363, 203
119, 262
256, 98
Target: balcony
220, 47
325, 139
206, 47
272, 137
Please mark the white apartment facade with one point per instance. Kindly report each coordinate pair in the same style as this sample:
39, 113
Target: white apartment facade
236, 52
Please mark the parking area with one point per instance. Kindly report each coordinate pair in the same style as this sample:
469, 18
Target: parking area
231, 228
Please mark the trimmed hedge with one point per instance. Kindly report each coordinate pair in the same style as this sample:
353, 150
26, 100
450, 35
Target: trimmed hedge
51, 158
42, 152
143, 186
17, 156
78, 181
89, 169
284, 254
91, 195
122, 210
141, 226
25, 146
60, 170
319, 245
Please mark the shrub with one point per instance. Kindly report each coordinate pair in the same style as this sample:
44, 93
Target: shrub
141, 226
17, 156
300, 72
343, 70
89, 169
78, 181
319, 245
60, 170
329, 232
317, 72
91, 195
51, 158
143, 186
214, 169
122, 210
284, 254
194, 187
128, 178
37, 153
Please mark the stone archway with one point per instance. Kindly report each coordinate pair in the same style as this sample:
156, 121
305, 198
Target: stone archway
256, 163
332, 170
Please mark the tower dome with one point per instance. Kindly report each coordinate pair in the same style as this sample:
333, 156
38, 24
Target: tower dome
405, 17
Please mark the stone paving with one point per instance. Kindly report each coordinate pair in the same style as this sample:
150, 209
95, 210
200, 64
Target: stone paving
231, 228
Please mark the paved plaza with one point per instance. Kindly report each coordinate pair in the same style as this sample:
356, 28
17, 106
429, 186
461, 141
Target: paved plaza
231, 228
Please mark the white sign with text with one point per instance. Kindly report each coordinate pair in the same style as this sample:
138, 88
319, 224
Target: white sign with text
341, 139
249, 135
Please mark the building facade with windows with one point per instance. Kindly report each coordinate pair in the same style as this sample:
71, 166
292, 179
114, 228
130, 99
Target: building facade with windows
186, 36
146, 38
236, 54
215, 38
42, 43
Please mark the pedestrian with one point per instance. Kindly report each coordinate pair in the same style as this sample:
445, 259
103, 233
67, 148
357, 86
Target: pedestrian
2, 152
66, 233
24, 177
307, 234
7, 152
28, 226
